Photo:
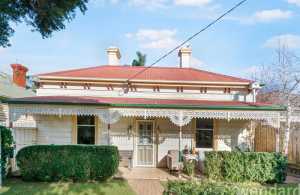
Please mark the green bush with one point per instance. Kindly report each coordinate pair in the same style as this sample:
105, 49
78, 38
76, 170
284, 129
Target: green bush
213, 165
67, 162
6, 148
189, 167
208, 187
199, 188
259, 167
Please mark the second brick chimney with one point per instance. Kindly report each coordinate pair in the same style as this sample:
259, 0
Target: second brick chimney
19, 74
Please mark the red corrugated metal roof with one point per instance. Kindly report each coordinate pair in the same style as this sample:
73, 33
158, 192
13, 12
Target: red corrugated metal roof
153, 74
133, 101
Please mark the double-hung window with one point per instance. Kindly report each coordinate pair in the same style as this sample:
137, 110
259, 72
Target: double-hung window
86, 130
204, 133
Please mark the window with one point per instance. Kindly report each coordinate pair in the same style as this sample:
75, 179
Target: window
204, 133
145, 133
85, 130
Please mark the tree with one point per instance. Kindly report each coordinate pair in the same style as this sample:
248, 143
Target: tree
6, 148
282, 85
140, 61
44, 16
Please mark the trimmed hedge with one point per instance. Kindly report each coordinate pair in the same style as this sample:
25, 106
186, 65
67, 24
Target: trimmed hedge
67, 162
208, 187
259, 167
199, 188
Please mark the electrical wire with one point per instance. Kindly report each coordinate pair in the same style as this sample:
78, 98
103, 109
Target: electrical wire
187, 40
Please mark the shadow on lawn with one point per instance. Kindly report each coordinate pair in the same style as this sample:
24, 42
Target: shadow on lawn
112, 187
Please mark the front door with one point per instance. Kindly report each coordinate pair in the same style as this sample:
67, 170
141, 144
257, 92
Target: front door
145, 147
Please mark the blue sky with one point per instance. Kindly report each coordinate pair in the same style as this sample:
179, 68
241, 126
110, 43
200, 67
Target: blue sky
235, 46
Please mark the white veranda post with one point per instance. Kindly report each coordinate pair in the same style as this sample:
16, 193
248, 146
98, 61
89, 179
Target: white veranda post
180, 141
180, 120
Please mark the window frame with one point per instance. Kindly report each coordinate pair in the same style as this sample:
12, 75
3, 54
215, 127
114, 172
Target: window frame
205, 129
87, 125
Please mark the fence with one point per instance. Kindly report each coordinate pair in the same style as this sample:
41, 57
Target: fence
265, 138
294, 147
265, 141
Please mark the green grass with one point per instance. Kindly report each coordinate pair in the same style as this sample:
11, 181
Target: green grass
112, 187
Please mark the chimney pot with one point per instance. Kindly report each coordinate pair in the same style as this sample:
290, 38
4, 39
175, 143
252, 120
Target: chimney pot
19, 74
185, 54
114, 56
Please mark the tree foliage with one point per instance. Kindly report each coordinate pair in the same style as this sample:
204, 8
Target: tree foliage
6, 147
281, 76
141, 59
44, 16
282, 85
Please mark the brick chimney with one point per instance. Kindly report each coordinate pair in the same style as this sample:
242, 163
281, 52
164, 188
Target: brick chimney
185, 55
113, 55
19, 74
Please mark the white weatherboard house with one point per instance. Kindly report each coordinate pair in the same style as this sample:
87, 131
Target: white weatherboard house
144, 111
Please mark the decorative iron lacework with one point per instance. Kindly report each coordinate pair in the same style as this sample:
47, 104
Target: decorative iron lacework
113, 115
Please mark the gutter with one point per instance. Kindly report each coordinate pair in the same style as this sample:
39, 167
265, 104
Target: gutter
158, 106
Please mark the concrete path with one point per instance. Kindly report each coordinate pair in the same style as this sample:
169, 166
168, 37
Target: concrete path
146, 186
146, 181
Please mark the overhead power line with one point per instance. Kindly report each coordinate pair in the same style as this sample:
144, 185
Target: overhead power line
188, 39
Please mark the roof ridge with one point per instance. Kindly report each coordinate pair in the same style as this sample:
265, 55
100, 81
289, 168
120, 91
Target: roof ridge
70, 70
112, 66
220, 74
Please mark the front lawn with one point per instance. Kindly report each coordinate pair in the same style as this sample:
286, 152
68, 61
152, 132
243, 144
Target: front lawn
113, 187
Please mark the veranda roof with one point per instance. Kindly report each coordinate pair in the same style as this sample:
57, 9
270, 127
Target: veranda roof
146, 103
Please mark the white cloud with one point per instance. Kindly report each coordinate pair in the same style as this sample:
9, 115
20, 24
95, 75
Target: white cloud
155, 38
290, 40
263, 16
152, 4
192, 2
98, 3
271, 15
296, 2
149, 4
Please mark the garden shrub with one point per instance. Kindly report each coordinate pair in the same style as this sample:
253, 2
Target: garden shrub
199, 188
234, 166
262, 167
7, 148
208, 187
189, 167
213, 165
67, 162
